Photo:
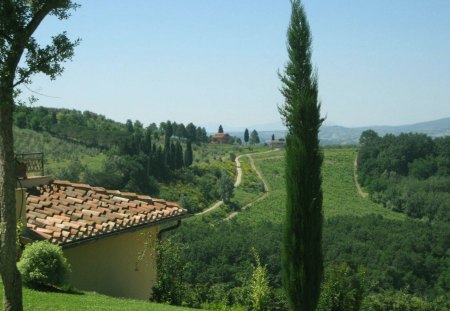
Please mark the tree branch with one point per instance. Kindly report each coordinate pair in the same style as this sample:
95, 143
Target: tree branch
42, 13
29, 72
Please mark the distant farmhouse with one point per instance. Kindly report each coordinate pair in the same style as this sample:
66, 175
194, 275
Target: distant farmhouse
108, 236
220, 137
278, 143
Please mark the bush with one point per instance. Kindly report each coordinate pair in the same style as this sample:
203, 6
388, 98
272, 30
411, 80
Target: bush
400, 301
342, 289
43, 263
259, 286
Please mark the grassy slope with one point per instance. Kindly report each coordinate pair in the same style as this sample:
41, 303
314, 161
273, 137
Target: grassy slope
36, 300
340, 194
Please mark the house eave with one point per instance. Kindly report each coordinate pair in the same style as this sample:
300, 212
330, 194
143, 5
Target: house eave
90, 239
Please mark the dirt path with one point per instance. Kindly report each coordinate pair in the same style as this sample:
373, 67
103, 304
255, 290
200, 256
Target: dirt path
212, 207
266, 187
239, 171
238, 182
355, 176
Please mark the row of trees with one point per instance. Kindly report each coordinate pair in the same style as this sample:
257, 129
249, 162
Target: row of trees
408, 173
95, 130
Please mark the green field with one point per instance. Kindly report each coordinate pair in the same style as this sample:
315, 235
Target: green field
38, 300
340, 193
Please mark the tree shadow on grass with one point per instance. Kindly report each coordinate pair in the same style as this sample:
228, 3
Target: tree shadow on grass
65, 289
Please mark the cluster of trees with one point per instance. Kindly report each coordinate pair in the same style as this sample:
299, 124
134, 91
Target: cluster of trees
253, 138
137, 156
190, 132
137, 164
408, 173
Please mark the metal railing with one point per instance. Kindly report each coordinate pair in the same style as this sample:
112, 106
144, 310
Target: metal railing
34, 161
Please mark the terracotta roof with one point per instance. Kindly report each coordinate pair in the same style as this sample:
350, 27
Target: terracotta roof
64, 212
221, 135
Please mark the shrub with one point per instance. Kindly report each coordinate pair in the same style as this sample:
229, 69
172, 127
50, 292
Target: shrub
400, 301
342, 290
259, 286
43, 263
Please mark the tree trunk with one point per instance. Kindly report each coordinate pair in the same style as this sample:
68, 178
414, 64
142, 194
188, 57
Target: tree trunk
12, 283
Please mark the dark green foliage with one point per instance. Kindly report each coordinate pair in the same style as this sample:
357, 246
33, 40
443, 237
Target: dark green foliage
302, 252
246, 136
43, 264
179, 163
220, 129
225, 187
169, 285
397, 254
400, 301
409, 173
273, 137
342, 290
188, 156
220, 260
232, 156
254, 138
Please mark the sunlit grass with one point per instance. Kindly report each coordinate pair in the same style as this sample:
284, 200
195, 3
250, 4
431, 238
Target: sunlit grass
41, 300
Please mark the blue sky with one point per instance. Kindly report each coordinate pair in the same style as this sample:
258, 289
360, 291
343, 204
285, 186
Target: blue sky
216, 61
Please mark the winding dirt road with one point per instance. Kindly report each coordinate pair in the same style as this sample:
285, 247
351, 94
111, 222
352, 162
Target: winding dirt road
355, 176
238, 182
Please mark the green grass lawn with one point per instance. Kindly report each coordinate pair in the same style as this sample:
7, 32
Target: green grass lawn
38, 300
340, 193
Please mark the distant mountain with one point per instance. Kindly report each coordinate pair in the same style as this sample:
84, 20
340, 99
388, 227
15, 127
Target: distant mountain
345, 135
340, 135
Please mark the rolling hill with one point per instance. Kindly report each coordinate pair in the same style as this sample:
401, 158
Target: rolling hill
341, 135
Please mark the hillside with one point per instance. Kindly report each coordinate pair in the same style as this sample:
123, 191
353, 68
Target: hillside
219, 253
346, 135
341, 197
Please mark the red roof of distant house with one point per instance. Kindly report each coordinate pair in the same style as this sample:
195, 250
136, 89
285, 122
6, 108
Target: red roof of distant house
220, 135
64, 212
220, 138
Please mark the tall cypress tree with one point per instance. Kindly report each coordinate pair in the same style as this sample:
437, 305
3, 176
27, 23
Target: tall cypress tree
179, 156
246, 136
188, 156
302, 247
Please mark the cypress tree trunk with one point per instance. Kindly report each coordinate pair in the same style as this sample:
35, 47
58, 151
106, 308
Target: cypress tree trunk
302, 245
